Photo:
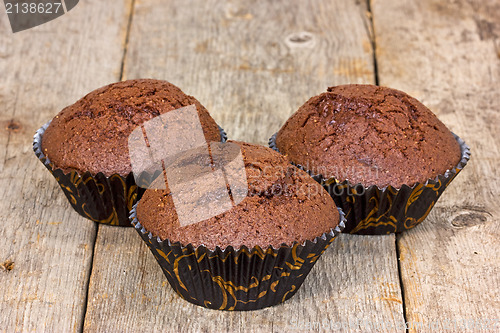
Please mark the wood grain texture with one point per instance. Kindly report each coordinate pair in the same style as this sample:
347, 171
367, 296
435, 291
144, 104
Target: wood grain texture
46, 248
251, 66
446, 53
354, 283
253, 63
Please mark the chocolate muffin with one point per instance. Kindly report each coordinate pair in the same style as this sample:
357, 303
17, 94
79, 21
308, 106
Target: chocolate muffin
370, 135
85, 146
384, 157
253, 255
91, 135
280, 199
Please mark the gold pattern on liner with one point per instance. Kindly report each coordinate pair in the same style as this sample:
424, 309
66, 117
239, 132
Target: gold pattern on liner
291, 290
176, 269
231, 293
372, 221
73, 194
388, 221
111, 219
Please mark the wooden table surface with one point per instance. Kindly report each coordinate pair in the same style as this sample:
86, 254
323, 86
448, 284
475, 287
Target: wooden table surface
252, 64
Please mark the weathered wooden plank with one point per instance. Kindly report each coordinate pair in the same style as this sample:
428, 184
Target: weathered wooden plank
48, 245
447, 55
354, 283
249, 64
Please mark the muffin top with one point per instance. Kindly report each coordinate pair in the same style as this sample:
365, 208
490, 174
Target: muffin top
283, 205
370, 135
92, 134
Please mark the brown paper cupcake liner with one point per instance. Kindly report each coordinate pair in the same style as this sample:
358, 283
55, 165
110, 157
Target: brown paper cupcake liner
377, 211
236, 279
102, 199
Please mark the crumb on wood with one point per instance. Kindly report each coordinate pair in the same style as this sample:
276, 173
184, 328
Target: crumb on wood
7, 265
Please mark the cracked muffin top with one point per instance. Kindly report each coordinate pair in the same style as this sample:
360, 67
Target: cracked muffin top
370, 135
92, 134
283, 205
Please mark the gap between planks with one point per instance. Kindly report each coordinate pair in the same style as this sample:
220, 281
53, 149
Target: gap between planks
226, 58
96, 231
